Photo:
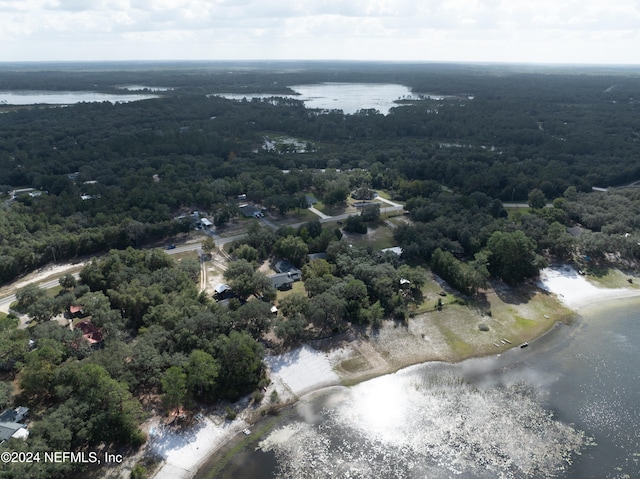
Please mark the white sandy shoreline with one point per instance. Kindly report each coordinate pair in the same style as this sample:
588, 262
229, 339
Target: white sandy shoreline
576, 292
293, 374
185, 451
305, 370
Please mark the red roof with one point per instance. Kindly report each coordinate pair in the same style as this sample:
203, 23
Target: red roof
75, 309
90, 332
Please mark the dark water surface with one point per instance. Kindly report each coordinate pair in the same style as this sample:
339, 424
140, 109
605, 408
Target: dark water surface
568, 406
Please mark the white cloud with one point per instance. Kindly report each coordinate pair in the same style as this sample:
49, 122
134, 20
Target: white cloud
482, 30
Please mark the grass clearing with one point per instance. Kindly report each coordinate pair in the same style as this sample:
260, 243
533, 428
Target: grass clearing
300, 215
333, 224
186, 255
516, 211
384, 194
611, 278
297, 287
345, 208
53, 292
525, 313
523, 323
431, 293
459, 346
377, 237
234, 227
479, 327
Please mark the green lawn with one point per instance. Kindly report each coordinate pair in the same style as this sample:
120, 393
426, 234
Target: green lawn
336, 210
53, 292
298, 287
611, 278
384, 194
516, 211
185, 255
300, 215
455, 342
378, 237
430, 292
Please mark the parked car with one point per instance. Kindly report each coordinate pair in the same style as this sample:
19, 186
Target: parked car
171, 246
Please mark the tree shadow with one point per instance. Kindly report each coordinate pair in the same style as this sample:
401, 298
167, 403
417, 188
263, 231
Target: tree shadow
520, 294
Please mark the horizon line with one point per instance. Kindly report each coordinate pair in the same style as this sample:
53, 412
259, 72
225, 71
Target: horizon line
324, 60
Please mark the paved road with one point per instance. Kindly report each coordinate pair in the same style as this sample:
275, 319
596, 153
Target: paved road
7, 300
387, 209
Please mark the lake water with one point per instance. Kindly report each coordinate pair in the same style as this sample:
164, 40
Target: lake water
566, 407
29, 97
348, 97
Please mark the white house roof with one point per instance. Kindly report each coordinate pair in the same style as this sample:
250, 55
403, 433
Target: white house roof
396, 249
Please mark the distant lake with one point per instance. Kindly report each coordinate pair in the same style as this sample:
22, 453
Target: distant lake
31, 97
348, 97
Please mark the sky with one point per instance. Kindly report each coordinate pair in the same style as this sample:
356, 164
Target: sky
511, 31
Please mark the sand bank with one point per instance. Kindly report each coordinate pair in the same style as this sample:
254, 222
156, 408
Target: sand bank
306, 369
185, 450
576, 291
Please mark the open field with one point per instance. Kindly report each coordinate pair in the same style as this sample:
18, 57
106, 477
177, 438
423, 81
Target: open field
498, 320
300, 215
378, 237
298, 287
611, 278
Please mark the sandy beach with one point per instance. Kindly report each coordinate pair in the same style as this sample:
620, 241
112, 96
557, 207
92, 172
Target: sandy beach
293, 374
576, 291
183, 451
305, 369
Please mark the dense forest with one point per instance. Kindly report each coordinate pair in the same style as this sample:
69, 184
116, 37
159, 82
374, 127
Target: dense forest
110, 179
521, 130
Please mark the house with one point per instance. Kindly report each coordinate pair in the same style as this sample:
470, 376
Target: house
221, 288
14, 415
11, 424
222, 292
284, 266
75, 311
310, 199
249, 211
90, 332
281, 281
397, 250
12, 429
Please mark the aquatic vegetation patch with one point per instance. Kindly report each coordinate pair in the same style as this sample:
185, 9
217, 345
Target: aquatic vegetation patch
393, 427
